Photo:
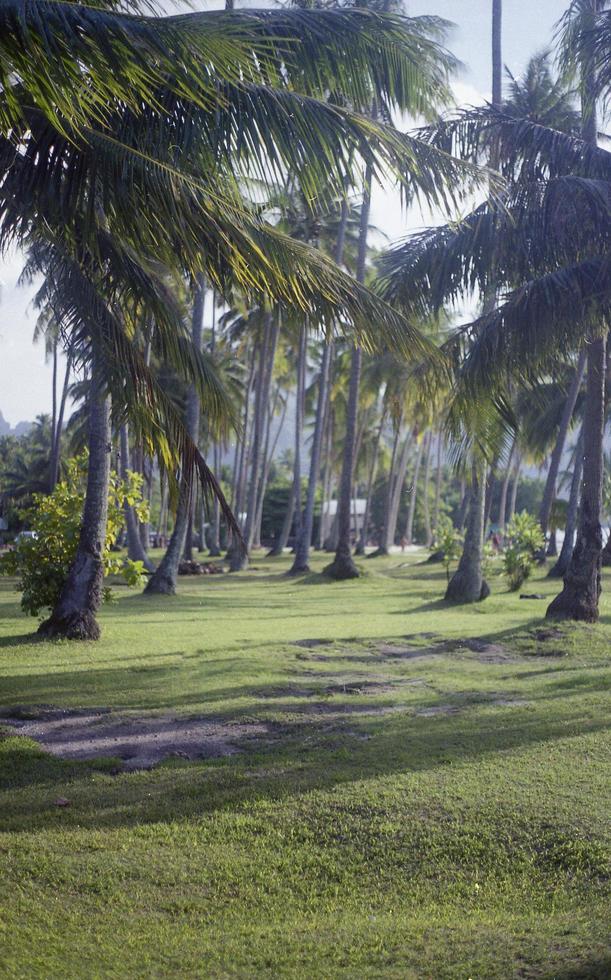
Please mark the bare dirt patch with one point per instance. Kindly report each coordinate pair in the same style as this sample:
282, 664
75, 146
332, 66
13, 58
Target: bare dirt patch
140, 741
311, 644
433, 711
393, 650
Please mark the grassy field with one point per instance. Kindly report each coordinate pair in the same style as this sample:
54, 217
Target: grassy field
424, 796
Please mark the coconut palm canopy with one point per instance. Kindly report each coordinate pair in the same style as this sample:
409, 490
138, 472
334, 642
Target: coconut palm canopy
544, 243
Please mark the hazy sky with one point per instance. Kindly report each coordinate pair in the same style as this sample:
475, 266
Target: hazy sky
25, 380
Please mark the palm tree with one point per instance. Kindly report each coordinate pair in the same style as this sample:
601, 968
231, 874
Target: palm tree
67, 135
546, 243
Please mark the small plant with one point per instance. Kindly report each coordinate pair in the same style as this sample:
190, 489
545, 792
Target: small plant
524, 540
448, 541
41, 561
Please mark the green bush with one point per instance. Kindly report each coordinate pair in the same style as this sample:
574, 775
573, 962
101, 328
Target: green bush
41, 563
524, 539
448, 540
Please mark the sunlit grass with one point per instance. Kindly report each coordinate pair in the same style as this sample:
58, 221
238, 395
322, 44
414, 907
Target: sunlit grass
440, 816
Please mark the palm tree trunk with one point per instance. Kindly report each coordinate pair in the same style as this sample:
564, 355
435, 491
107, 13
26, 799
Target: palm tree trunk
328, 483
239, 560
343, 567
304, 539
409, 527
566, 552
582, 582
215, 544
467, 583
438, 475
383, 547
497, 58
281, 542
74, 616
490, 485
57, 438
514, 488
164, 579
549, 492
425, 494
360, 550
505, 488
135, 550
397, 490
299, 415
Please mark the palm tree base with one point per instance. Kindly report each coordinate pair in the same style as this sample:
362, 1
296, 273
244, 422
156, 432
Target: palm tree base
299, 569
341, 569
214, 553
160, 585
465, 588
80, 625
379, 552
238, 562
579, 597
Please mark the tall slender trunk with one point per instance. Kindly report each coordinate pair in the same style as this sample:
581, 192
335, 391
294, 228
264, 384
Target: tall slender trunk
162, 529
305, 539
303, 529
514, 488
237, 502
59, 425
490, 485
505, 487
467, 583
135, 551
74, 615
281, 543
383, 547
239, 560
497, 57
582, 583
397, 490
373, 467
549, 492
268, 415
343, 567
164, 579
438, 475
328, 483
302, 551
409, 526
464, 504
215, 543
572, 511
53, 414
425, 492
299, 417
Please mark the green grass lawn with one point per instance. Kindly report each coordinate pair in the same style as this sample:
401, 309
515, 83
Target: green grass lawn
442, 815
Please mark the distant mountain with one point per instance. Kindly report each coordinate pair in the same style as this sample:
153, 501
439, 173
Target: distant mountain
21, 429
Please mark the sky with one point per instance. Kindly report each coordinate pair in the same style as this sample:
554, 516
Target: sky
25, 379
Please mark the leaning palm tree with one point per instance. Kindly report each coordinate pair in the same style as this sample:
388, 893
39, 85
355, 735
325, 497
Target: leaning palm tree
84, 92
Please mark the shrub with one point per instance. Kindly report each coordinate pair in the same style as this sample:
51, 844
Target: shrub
448, 541
41, 562
524, 540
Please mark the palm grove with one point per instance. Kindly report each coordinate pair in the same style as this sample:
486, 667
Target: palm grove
155, 167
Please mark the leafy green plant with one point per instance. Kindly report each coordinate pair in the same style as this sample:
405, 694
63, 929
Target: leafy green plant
41, 562
448, 541
524, 539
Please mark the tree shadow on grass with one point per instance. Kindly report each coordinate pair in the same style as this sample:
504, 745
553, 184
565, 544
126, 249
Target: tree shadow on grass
598, 969
305, 751
21, 640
